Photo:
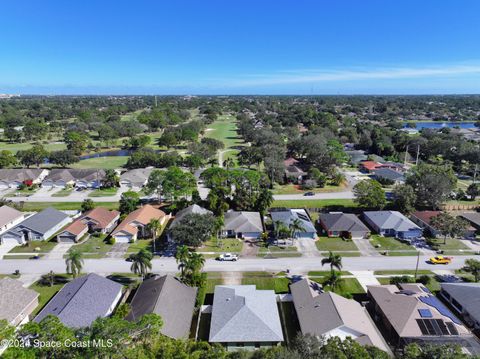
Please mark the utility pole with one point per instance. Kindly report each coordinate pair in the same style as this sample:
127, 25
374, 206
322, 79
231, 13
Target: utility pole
475, 173
155, 100
418, 154
416, 268
405, 160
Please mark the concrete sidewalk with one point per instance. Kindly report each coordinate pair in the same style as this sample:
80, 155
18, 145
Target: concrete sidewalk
365, 278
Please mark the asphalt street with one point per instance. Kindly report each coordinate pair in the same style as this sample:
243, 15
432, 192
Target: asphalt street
297, 264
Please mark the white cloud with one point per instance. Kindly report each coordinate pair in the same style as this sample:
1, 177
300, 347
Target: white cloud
318, 76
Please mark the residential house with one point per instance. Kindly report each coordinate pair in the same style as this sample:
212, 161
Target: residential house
16, 302
412, 314
9, 217
242, 224
98, 219
356, 156
87, 178
83, 300
465, 299
169, 298
245, 318
369, 166
294, 174
193, 209
474, 219
135, 225
288, 216
345, 225
423, 219
13, 178
326, 314
392, 224
38, 227
388, 175
136, 178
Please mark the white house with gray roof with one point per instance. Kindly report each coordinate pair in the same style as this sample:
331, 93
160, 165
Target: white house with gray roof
83, 300
289, 216
245, 318
38, 227
242, 224
9, 218
392, 224
136, 178
12, 178
326, 314
465, 299
16, 302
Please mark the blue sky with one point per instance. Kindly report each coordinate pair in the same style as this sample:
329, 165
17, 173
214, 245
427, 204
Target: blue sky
240, 47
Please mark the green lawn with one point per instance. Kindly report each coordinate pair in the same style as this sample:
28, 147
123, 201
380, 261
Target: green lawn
279, 285
289, 318
46, 292
94, 247
451, 244
335, 244
31, 246
15, 147
231, 245
347, 287
277, 249
22, 192
103, 192
63, 193
324, 273
315, 203
390, 244
139, 244
295, 189
402, 272
66, 206
110, 162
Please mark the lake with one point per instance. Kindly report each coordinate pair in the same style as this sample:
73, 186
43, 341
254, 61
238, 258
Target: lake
437, 125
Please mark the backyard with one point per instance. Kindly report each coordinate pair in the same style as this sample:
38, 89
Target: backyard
46, 291
110, 162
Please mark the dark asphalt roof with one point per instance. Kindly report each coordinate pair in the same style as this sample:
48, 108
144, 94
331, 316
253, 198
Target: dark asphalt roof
42, 222
169, 298
467, 294
342, 222
82, 301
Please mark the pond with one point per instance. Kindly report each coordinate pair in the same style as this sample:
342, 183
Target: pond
439, 125
107, 154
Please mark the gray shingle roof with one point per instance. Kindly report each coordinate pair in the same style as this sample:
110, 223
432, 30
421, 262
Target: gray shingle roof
321, 312
194, 208
243, 222
390, 220
342, 222
289, 215
137, 176
43, 221
241, 313
83, 300
20, 175
9, 214
14, 298
169, 298
68, 174
472, 217
467, 294
389, 174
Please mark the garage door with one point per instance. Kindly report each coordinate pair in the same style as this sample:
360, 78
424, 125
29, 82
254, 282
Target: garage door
10, 241
122, 239
66, 239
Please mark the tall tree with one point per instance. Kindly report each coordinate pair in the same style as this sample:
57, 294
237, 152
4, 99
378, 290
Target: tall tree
141, 262
472, 266
334, 260
369, 194
74, 262
154, 227
129, 202
448, 225
111, 179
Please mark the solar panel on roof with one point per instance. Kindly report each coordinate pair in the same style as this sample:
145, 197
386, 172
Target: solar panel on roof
429, 325
422, 327
451, 328
442, 326
425, 313
425, 289
442, 309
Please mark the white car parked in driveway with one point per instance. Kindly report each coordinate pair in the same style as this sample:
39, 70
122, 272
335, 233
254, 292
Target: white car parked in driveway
228, 257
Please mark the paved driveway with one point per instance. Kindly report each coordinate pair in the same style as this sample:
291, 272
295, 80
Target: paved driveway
6, 247
365, 247
307, 247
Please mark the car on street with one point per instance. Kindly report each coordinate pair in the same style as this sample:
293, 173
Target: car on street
228, 257
309, 194
440, 260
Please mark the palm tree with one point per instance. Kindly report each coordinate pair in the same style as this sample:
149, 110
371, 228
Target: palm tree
195, 263
333, 280
278, 227
141, 262
181, 256
296, 226
154, 226
229, 162
335, 261
74, 262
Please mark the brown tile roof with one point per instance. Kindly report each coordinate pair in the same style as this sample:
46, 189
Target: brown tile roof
426, 216
76, 228
142, 215
101, 215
